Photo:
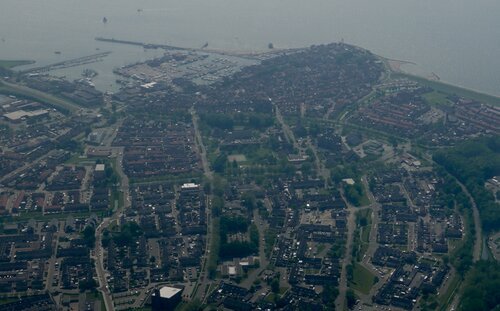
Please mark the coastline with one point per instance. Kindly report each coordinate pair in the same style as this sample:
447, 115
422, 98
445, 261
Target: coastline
395, 68
9, 64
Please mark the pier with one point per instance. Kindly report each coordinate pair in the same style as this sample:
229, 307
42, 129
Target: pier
171, 47
69, 63
144, 45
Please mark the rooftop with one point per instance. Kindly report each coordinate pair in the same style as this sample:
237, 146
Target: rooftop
16, 115
169, 292
189, 186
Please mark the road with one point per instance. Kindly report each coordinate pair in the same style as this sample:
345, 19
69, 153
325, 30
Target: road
203, 280
290, 137
478, 242
351, 227
372, 247
201, 147
264, 262
25, 167
375, 207
51, 263
98, 252
98, 257
320, 167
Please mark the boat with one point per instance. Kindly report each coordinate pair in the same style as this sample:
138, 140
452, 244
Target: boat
89, 73
104, 20
57, 52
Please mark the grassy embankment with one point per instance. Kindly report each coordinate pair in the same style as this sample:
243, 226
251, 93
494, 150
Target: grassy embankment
363, 279
25, 92
445, 88
360, 278
9, 64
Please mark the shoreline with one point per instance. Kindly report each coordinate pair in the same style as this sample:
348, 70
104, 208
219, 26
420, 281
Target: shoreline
494, 99
12, 63
394, 67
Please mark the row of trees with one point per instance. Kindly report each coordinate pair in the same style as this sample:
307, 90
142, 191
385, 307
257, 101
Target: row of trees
481, 289
228, 122
237, 224
473, 163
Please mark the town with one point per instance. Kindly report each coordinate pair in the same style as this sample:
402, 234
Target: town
302, 179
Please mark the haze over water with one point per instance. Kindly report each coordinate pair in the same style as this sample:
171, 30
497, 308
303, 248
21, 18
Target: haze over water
459, 40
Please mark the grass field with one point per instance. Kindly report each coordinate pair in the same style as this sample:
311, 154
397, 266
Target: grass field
437, 98
452, 89
363, 279
364, 199
8, 300
41, 217
270, 239
446, 298
8, 64
236, 157
213, 257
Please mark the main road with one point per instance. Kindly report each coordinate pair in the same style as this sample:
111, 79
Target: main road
98, 252
203, 280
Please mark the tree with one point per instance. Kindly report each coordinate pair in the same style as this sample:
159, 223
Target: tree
248, 200
220, 163
329, 295
128, 234
87, 284
481, 290
275, 286
193, 305
350, 298
88, 235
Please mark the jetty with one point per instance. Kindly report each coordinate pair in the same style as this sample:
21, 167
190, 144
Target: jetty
171, 47
144, 45
69, 63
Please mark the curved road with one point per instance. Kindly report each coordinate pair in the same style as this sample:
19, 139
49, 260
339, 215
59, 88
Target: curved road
477, 224
98, 253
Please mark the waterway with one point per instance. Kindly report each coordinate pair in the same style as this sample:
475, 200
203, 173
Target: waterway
459, 40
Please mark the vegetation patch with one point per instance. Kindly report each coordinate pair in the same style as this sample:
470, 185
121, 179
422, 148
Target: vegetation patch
362, 279
451, 89
8, 64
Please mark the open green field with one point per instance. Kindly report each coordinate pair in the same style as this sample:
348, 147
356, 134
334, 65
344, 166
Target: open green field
8, 300
446, 298
363, 279
236, 157
178, 179
364, 201
452, 89
365, 230
8, 64
270, 239
213, 257
437, 98
38, 216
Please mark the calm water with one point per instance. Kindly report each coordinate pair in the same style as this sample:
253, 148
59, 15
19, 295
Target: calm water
459, 40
